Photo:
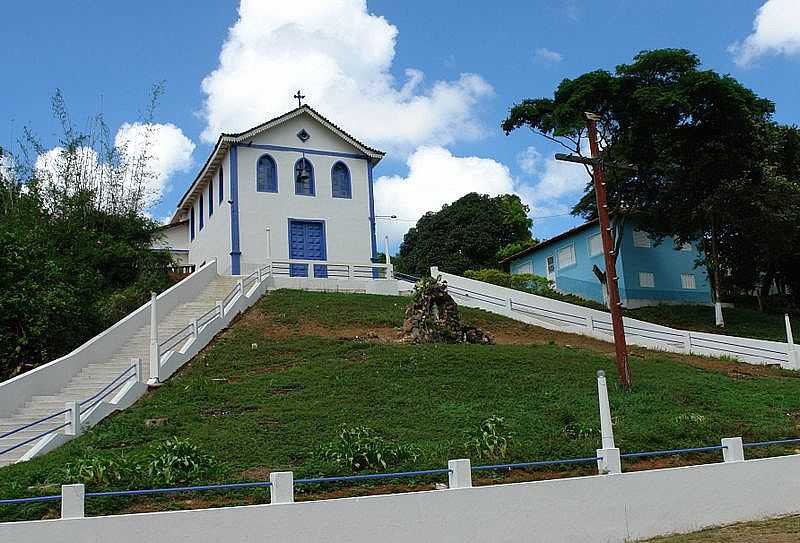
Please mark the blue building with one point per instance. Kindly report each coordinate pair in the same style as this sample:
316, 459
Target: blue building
650, 273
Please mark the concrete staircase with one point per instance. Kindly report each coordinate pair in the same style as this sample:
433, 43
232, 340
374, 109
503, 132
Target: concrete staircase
94, 377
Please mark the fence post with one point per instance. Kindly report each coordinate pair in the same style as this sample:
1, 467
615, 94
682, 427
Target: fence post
221, 309
687, 342
609, 460
137, 363
194, 328
434, 271
240, 285
259, 274
349, 271
73, 417
155, 356
590, 322
72, 501
460, 475
281, 488
734, 450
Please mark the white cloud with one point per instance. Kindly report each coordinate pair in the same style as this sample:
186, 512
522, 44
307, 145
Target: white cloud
340, 55
529, 160
168, 151
776, 30
435, 177
547, 56
557, 185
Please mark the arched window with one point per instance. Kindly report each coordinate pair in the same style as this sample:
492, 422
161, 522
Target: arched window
304, 186
340, 181
266, 175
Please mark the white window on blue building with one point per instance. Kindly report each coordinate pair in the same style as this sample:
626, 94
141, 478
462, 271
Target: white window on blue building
595, 245
566, 256
647, 280
688, 281
642, 239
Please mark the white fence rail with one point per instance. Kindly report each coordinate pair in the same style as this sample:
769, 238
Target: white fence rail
563, 316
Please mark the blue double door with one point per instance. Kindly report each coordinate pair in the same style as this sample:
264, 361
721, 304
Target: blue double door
307, 242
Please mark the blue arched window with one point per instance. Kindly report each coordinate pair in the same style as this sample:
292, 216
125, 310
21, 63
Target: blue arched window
266, 175
304, 186
340, 181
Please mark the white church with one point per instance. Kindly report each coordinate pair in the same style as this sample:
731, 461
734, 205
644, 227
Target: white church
296, 187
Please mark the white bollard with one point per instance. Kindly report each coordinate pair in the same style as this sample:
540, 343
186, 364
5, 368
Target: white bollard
609, 461
789, 336
386, 250
139, 372
72, 501
194, 328
281, 489
734, 449
73, 417
718, 319
687, 342
606, 427
434, 272
460, 475
155, 356
220, 309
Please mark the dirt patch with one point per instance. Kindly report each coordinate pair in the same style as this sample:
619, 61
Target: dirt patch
505, 333
283, 390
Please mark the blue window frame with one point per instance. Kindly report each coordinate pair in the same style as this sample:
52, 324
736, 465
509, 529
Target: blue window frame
341, 186
304, 188
211, 198
191, 223
266, 175
201, 212
221, 185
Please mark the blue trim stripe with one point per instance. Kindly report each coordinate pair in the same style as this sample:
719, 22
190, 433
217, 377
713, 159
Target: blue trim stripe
372, 212
301, 150
236, 252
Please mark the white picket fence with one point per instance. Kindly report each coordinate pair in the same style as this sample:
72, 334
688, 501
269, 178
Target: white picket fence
566, 317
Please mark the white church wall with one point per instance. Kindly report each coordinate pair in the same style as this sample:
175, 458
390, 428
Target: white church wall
213, 242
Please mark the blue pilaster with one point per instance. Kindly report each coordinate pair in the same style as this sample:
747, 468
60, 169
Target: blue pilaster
236, 253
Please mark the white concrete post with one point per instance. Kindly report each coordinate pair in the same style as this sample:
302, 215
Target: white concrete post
590, 322
194, 328
734, 450
240, 284
687, 342
609, 461
386, 250
72, 501
259, 275
73, 417
281, 489
269, 243
719, 321
139, 372
155, 356
460, 475
349, 271
606, 428
221, 309
434, 271
789, 336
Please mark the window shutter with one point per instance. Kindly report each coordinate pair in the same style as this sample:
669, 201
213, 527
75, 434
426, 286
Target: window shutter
647, 280
641, 239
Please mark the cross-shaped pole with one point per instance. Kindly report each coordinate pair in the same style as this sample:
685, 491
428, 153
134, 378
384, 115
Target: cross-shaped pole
299, 98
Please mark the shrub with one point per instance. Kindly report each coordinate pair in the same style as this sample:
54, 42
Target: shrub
96, 471
490, 440
360, 448
178, 461
526, 282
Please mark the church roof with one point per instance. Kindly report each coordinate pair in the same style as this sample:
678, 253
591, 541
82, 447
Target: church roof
225, 141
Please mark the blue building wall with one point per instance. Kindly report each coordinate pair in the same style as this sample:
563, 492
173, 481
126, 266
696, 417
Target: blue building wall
662, 260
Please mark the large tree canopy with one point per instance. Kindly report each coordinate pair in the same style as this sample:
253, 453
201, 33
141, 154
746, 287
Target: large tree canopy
700, 143
466, 234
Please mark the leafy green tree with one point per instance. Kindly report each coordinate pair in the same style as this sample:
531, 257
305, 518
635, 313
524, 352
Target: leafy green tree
693, 135
76, 246
466, 234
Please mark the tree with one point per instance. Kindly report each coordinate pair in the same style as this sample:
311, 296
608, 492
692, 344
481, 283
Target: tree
76, 245
693, 136
466, 234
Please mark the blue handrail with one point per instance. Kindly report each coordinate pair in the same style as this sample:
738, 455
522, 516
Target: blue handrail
784, 441
34, 438
109, 385
668, 452
34, 423
584, 460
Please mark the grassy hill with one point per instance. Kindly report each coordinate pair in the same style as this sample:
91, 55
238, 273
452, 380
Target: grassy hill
274, 391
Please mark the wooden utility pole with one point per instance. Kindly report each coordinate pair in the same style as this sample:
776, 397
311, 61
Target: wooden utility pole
596, 162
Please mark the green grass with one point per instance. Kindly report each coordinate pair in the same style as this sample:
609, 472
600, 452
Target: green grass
773, 530
276, 406
739, 321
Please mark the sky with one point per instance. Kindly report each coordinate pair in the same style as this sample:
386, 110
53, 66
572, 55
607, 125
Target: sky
427, 82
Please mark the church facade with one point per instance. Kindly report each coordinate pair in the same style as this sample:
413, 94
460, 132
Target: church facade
296, 187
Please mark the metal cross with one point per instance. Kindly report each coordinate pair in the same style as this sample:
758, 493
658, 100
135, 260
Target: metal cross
299, 98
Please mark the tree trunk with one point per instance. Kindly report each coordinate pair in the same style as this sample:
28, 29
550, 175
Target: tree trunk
719, 320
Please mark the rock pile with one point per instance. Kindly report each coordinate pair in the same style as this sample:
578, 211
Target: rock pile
432, 317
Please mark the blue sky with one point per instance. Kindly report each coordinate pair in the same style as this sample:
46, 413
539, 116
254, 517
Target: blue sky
440, 126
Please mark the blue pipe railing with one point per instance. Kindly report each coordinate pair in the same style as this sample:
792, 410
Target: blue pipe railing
124, 376
34, 423
392, 475
34, 438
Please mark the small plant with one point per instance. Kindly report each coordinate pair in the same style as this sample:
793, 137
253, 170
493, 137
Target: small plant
96, 471
490, 440
178, 461
359, 448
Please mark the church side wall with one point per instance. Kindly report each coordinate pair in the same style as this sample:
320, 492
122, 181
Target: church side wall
214, 240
